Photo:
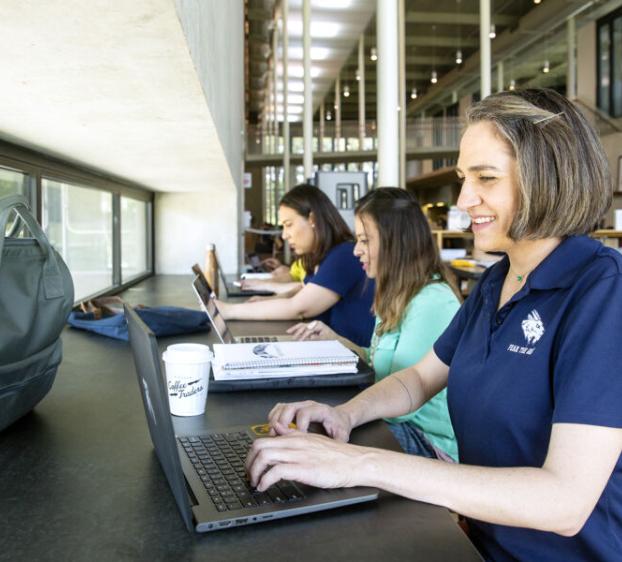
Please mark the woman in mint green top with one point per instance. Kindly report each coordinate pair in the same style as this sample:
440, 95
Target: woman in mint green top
424, 320
414, 303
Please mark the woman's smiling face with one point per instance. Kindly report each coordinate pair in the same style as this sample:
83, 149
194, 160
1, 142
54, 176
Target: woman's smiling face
489, 191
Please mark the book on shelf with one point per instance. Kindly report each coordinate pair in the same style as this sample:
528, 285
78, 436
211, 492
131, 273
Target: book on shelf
282, 359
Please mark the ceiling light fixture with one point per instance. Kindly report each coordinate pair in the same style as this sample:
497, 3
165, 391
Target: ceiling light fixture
547, 67
319, 29
493, 31
317, 53
297, 70
458, 56
346, 91
537, 1
290, 109
291, 98
413, 94
373, 54
512, 85
434, 77
329, 116
292, 86
358, 75
332, 4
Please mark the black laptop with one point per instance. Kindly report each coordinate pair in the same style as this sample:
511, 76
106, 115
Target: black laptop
206, 471
234, 291
363, 377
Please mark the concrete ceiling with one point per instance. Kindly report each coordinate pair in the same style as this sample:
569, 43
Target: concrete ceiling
108, 85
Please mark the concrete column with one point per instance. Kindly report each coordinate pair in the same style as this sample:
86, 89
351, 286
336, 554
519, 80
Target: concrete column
484, 48
320, 147
307, 125
338, 111
361, 64
571, 71
286, 170
387, 88
401, 22
275, 120
500, 78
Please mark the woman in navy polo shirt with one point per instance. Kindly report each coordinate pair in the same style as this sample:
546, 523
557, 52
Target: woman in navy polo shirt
531, 361
336, 290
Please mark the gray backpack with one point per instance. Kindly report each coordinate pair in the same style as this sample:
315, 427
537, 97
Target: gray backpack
36, 296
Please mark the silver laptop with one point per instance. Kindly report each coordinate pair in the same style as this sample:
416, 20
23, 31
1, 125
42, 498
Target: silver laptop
206, 471
206, 300
233, 291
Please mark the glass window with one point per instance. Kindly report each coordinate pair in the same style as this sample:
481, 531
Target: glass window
603, 68
297, 145
609, 63
78, 223
12, 182
133, 238
617, 67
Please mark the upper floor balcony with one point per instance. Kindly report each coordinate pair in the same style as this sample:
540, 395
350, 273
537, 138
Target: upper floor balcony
426, 138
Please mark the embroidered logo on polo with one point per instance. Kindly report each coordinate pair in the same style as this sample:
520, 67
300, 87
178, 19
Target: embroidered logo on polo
533, 327
533, 330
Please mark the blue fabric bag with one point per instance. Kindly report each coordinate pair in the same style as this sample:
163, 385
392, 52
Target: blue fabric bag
163, 321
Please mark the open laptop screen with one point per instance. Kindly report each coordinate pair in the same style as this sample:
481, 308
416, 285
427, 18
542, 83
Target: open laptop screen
153, 389
205, 294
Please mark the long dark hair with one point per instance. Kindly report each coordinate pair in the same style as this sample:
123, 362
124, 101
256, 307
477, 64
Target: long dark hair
409, 258
330, 228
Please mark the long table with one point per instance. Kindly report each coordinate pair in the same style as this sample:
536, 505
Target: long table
79, 479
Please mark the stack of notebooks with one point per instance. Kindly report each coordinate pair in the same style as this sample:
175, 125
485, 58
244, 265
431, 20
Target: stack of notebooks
240, 361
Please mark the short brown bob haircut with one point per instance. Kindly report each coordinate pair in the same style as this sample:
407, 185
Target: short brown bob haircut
563, 174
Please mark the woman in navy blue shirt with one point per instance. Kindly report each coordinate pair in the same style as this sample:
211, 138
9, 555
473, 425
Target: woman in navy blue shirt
531, 361
336, 289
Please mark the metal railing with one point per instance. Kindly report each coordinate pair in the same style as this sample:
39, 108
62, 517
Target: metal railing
425, 132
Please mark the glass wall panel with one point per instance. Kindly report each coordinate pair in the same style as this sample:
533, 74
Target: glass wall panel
134, 230
603, 68
617, 67
78, 222
12, 182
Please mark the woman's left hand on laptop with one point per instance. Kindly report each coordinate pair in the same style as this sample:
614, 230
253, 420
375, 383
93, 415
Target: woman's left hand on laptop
308, 458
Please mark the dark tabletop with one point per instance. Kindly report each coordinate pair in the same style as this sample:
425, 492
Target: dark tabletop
79, 479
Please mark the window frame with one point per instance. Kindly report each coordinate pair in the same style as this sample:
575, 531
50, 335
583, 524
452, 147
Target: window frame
37, 166
607, 21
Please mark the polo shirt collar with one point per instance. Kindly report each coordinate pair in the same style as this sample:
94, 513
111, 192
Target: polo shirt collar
561, 267
558, 270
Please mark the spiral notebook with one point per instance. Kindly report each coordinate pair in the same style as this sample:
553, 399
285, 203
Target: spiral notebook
282, 359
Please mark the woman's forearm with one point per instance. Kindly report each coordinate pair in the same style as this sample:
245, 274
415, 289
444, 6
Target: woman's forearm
521, 497
396, 395
269, 309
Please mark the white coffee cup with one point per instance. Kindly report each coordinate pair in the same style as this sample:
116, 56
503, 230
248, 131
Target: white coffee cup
187, 377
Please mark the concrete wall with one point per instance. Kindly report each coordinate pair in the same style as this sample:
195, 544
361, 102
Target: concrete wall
186, 222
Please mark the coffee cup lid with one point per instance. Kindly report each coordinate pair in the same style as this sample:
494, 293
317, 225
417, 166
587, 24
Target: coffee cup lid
187, 353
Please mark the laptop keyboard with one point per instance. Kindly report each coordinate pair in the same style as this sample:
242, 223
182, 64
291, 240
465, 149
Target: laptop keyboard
257, 339
219, 461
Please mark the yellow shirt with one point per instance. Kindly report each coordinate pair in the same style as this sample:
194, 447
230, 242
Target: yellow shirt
297, 272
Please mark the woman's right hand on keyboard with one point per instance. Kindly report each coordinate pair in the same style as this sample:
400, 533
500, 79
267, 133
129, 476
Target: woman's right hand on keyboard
335, 421
314, 330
